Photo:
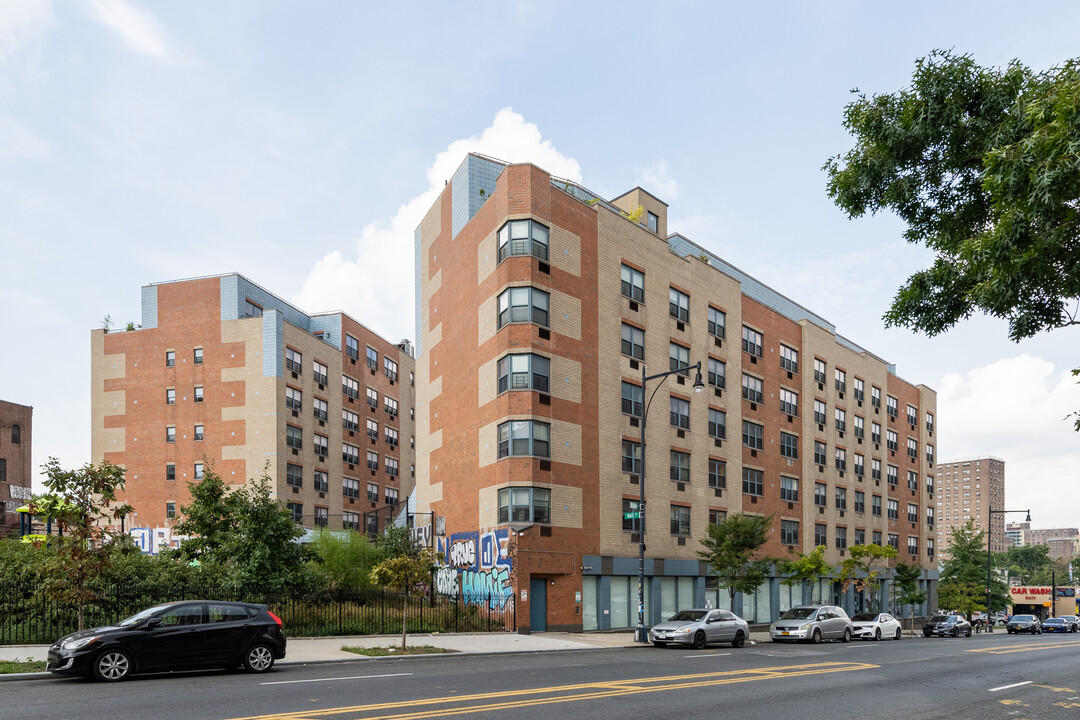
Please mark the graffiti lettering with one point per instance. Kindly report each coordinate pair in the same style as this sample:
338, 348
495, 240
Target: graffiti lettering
153, 540
463, 553
492, 587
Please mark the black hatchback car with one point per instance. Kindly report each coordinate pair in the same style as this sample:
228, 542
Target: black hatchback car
946, 626
175, 636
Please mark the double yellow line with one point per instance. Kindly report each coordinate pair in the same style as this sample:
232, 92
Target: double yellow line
516, 699
1010, 649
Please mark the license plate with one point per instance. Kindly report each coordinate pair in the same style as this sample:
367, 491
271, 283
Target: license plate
785, 633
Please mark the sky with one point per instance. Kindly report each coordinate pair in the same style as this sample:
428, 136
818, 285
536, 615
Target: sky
299, 143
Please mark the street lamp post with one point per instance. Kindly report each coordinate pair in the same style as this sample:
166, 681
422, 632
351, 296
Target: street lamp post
989, 534
640, 633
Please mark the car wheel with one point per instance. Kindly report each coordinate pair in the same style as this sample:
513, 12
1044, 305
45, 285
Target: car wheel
259, 659
956, 632
699, 640
969, 632
898, 633
877, 633
816, 637
847, 635
659, 644
112, 665
739, 640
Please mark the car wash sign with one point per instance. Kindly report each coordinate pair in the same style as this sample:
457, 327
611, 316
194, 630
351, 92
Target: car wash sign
1030, 595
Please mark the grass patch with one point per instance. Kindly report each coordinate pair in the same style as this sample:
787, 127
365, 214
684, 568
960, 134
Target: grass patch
21, 666
394, 650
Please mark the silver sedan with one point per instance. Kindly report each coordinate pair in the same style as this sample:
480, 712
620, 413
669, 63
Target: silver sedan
699, 627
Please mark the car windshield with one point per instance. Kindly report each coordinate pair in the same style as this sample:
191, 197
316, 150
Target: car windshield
688, 615
1023, 618
798, 613
1054, 621
940, 619
140, 616
864, 617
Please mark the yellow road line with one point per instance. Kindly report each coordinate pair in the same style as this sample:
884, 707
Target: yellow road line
570, 693
1008, 650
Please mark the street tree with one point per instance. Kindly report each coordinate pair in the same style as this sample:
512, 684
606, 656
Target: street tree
411, 573
1030, 563
980, 163
83, 504
345, 560
806, 568
906, 584
209, 523
732, 549
863, 567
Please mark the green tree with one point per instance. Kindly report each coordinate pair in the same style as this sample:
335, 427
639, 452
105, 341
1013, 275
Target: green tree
808, 567
731, 550
411, 573
210, 522
861, 569
965, 568
964, 597
345, 559
906, 585
1030, 563
83, 503
981, 165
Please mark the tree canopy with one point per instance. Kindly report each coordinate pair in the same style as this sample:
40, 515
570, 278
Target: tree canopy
862, 569
982, 165
731, 549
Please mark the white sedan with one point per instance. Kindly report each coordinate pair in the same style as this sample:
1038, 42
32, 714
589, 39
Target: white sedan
874, 626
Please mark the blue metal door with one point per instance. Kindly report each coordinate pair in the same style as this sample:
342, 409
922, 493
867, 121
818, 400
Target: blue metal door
537, 604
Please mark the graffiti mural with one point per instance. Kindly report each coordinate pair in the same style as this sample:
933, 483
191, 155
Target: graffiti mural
479, 567
153, 540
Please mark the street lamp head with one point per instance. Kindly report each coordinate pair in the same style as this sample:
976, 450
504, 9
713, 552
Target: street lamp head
1028, 518
699, 384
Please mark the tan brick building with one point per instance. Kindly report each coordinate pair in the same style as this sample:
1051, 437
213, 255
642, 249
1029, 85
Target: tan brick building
224, 372
967, 490
16, 463
538, 304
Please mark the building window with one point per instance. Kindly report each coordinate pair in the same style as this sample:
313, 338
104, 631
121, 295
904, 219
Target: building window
717, 474
753, 435
170, 510
717, 516
251, 309
717, 323
860, 536
525, 504
875, 396
820, 457
520, 438
199, 432
913, 480
930, 453
820, 497
860, 389
679, 466
524, 372
523, 305
321, 445
860, 466
789, 402
912, 513
322, 481
717, 424
841, 537
293, 399
297, 511
372, 358
633, 283
523, 237
841, 419
789, 488
877, 537
680, 412
198, 355
633, 342
930, 422
170, 397
875, 432
391, 436
841, 498
912, 545
875, 506
350, 521
894, 510
391, 406
198, 393
930, 516
820, 409
680, 520
390, 369
321, 409
912, 415
350, 421
294, 361
753, 482
789, 445
294, 475
322, 516
170, 434
789, 532
892, 441
930, 548
892, 408
819, 371
320, 372
753, 342
841, 459
679, 357
373, 397
170, 471
294, 437
198, 471
372, 460
892, 475
631, 399
352, 347
391, 496
350, 387
717, 373
373, 492
841, 380
789, 359
913, 448
678, 305
860, 504
170, 358
631, 457
391, 466
652, 220
860, 427
930, 484
350, 487
753, 389
350, 454
372, 524
821, 534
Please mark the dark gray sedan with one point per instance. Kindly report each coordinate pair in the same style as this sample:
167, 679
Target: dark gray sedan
700, 627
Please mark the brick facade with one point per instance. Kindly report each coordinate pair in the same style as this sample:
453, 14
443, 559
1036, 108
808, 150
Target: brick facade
16, 465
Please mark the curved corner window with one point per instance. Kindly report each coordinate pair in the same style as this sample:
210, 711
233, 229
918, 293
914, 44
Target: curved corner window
525, 504
523, 305
524, 438
523, 237
524, 372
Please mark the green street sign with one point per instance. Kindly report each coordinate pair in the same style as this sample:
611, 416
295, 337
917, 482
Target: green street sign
631, 516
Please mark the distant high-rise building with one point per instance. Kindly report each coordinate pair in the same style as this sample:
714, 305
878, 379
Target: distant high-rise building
15, 462
968, 490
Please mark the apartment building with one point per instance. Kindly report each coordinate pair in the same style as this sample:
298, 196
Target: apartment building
540, 308
16, 465
968, 489
224, 372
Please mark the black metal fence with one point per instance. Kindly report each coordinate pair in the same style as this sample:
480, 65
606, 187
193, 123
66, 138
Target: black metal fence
28, 616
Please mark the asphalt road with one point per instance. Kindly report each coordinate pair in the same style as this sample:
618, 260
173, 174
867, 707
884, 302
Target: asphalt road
985, 677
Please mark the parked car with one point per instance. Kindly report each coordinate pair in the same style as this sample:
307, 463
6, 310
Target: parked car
1024, 624
999, 619
699, 627
874, 626
813, 623
1074, 622
174, 636
947, 626
1056, 624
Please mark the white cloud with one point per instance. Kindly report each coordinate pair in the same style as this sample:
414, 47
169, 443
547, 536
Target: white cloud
22, 22
1015, 409
138, 28
657, 179
17, 141
374, 283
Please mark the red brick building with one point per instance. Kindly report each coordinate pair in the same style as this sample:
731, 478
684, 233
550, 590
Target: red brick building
538, 304
223, 372
16, 462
